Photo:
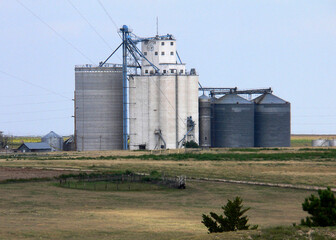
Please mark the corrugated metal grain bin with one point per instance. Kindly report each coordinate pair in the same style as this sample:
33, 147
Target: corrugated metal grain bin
204, 121
99, 108
232, 122
320, 143
332, 142
272, 121
54, 140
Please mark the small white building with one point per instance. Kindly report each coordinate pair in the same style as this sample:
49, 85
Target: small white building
160, 103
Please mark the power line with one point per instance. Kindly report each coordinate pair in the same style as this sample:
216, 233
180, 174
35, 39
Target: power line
35, 120
19, 104
109, 16
33, 84
26, 95
91, 26
53, 30
54, 110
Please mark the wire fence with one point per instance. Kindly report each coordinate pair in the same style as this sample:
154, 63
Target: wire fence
108, 182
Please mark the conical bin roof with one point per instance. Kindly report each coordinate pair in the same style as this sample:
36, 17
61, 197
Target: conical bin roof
232, 99
269, 98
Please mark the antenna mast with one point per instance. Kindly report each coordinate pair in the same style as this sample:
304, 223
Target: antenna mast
157, 26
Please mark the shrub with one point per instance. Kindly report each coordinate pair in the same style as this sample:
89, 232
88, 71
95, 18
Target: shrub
191, 144
233, 220
322, 209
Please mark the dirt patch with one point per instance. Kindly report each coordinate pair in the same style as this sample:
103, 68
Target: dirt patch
7, 173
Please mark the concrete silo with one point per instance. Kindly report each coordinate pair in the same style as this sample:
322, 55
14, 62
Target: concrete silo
204, 121
163, 104
272, 121
232, 122
54, 140
98, 107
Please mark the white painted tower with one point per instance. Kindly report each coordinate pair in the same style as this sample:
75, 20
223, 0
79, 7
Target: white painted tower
162, 101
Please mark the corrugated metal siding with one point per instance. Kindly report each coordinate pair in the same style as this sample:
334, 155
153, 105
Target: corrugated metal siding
272, 122
99, 108
272, 125
232, 124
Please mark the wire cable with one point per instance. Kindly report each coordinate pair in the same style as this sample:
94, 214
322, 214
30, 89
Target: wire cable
109, 16
36, 103
36, 120
53, 110
33, 84
53, 30
91, 26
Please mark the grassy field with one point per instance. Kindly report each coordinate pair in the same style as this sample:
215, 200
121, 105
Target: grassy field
294, 166
306, 140
43, 210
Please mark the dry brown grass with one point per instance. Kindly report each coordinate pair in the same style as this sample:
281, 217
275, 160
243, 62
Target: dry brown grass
309, 172
43, 211
312, 137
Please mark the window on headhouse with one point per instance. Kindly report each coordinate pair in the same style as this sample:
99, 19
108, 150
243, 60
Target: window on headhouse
162, 43
164, 71
171, 43
146, 71
162, 53
156, 53
145, 53
171, 53
151, 72
172, 70
181, 71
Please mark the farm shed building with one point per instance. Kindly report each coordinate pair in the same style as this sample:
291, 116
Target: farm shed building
35, 147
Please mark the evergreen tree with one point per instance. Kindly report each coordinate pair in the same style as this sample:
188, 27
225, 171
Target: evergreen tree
233, 220
322, 209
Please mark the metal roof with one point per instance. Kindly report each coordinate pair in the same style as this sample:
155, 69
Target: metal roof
232, 99
52, 134
269, 98
37, 145
204, 98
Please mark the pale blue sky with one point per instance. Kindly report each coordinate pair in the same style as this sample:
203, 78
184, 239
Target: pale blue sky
287, 45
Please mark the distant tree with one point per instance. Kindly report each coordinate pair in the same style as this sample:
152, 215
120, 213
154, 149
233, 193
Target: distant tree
322, 209
233, 220
4, 140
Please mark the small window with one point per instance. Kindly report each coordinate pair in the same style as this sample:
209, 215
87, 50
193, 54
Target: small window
162, 43
171, 43
145, 53
162, 53
181, 71
172, 70
205, 138
156, 53
146, 71
164, 71
171, 53
151, 72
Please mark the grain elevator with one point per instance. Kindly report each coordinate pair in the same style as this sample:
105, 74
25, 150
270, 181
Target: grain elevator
163, 104
151, 101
